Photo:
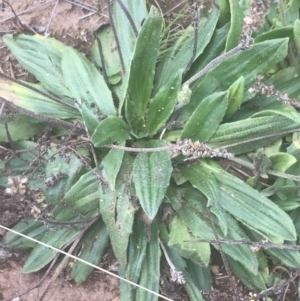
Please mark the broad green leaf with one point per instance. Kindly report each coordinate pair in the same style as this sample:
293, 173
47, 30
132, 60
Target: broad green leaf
117, 213
191, 285
110, 54
111, 129
111, 166
224, 12
252, 208
150, 272
26, 226
194, 215
162, 105
236, 25
276, 33
214, 48
94, 242
63, 174
280, 109
252, 133
252, 281
82, 199
41, 255
282, 161
200, 274
142, 67
206, 118
116, 207
176, 60
260, 58
20, 165
205, 182
182, 240
235, 97
28, 99
85, 83
297, 33
151, 176
19, 127
136, 250
41, 57
289, 258
90, 119
125, 33
127, 292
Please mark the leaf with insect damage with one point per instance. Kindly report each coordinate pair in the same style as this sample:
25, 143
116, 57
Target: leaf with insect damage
151, 176
85, 82
94, 242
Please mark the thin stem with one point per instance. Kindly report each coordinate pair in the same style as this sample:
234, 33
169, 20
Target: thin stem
57, 122
51, 17
25, 26
228, 271
262, 137
140, 150
102, 58
264, 245
126, 12
214, 62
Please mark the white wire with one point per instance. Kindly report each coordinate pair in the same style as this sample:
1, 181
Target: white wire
87, 263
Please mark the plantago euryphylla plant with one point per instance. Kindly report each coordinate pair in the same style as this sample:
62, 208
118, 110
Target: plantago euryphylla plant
159, 149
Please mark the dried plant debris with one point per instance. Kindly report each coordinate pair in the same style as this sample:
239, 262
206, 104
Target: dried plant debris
193, 150
270, 90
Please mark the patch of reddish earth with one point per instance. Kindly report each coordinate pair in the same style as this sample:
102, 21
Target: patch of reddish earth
13, 282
